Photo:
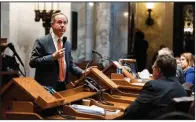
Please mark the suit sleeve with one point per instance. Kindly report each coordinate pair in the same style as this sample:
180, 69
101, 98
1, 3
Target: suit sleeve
139, 108
38, 57
75, 70
180, 75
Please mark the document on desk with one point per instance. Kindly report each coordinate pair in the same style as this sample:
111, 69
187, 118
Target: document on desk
138, 84
89, 109
114, 112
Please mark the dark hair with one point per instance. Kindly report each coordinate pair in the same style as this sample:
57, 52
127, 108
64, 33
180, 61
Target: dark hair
139, 34
162, 46
167, 64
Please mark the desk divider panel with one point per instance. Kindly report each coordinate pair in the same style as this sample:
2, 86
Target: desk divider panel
97, 75
113, 67
28, 93
27, 89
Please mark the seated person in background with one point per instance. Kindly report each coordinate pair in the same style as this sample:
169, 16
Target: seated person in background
156, 94
178, 61
187, 62
156, 54
179, 71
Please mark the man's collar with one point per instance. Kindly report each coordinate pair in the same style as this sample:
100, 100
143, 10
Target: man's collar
54, 36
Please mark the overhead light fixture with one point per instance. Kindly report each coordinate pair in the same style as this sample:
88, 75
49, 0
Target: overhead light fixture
125, 14
45, 11
149, 20
91, 4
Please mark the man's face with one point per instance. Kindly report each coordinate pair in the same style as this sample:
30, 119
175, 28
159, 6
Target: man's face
156, 71
60, 25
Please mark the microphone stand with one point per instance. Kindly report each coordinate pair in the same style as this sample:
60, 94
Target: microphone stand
107, 59
102, 57
101, 92
23, 74
86, 68
113, 88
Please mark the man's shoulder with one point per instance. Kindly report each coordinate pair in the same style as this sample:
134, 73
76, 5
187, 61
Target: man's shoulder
43, 38
67, 42
156, 82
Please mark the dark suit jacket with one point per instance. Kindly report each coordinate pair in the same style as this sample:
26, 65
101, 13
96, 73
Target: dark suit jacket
154, 97
180, 74
47, 69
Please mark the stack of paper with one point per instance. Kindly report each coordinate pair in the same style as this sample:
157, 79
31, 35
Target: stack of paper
89, 109
144, 74
112, 112
138, 84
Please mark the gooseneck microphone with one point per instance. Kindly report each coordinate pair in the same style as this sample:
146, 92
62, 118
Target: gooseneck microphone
11, 46
93, 51
102, 57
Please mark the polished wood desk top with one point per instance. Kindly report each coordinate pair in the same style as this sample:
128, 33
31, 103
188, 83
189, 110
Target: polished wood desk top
61, 118
75, 94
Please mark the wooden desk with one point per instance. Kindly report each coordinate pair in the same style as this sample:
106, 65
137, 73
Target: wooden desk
119, 102
75, 94
57, 117
70, 111
27, 89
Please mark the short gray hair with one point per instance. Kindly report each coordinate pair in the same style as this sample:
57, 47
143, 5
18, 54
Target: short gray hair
165, 51
55, 14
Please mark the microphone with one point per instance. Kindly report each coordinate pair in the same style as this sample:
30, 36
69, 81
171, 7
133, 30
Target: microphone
102, 57
11, 46
93, 51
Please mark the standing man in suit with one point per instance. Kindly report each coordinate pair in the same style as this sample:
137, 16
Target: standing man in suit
51, 56
157, 93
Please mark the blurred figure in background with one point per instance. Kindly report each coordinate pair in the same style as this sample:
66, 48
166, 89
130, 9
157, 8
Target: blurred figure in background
178, 61
141, 47
156, 54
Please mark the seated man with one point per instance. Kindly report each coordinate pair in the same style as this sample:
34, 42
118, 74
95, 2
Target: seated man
179, 71
157, 93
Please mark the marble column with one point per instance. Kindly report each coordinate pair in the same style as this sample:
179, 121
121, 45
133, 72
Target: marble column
5, 22
89, 27
103, 20
79, 54
119, 31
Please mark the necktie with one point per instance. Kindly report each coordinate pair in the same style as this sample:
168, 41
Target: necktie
61, 63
